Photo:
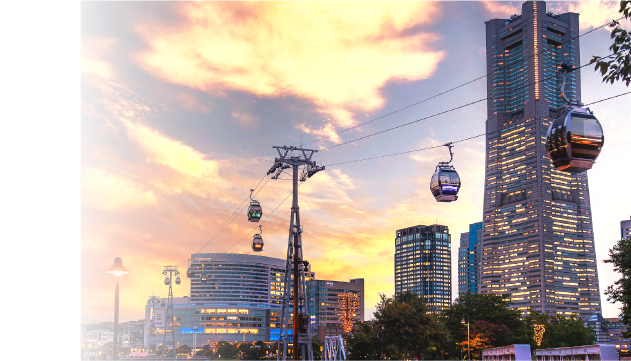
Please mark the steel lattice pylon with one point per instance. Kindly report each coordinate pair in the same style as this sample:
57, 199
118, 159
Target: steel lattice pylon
334, 348
169, 270
295, 264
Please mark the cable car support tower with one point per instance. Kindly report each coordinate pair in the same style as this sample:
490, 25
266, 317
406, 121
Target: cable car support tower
296, 265
169, 320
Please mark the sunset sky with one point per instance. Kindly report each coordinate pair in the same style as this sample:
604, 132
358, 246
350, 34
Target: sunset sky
181, 104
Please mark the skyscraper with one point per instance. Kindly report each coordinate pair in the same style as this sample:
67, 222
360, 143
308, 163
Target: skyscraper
538, 242
469, 259
625, 229
422, 264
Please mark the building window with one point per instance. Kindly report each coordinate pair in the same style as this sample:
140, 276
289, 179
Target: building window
562, 195
515, 196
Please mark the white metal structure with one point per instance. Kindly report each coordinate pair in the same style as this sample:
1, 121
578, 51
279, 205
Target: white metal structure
507, 353
334, 348
576, 353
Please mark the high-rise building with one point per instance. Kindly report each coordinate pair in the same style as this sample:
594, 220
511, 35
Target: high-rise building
468, 259
324, 308
625, 229
422, 264
538, 242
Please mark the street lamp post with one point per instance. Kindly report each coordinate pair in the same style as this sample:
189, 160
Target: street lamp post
383, 330
468, 338
117, 270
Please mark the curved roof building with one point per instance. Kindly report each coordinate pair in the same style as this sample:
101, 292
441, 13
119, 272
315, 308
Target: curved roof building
233, 297
236, 279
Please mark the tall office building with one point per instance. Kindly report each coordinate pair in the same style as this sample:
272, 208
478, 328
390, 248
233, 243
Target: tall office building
538, 242
324, 307
469, 259
625, 229
422, 264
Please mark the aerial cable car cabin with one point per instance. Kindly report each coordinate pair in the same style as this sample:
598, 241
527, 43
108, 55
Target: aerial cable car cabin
255, 211
574, 139
257, 241
445, 182
190, 272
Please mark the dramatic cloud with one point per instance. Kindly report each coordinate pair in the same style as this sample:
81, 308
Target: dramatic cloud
111, 192
92, 49
312, 50
593, 13
169, 152
503, 9
327, 131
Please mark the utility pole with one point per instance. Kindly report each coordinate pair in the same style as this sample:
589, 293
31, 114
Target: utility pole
295, 262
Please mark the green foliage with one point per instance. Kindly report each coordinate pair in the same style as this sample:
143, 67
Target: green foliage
249, 351
560, 331
619, 65
226, 349
184, 349
620, 291
205, 351
492, 323
365, 344
316, 343
409, 327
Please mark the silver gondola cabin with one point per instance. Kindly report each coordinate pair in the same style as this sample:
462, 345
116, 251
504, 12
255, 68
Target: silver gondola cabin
257, 241
575, 138
255, 211
445, 182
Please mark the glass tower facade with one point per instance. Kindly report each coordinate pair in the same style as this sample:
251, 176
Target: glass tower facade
538, 242
625, 229
324, 307
469, 259
422, 264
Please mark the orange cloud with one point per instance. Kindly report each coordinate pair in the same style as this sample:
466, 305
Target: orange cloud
174, 154
312, 50
327, 131
92, 50
108, 191
501, 8
592, 13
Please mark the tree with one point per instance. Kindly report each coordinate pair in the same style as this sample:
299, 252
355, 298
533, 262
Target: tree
184, 349
560, 331
409, 326
316, 345
502, 325
205, 351
620, 291
124, 352
226, 349
619, 67
364, 344
484, 335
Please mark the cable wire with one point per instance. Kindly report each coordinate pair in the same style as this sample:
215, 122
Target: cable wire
467, 83
449, 110
281, 203
453, 142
